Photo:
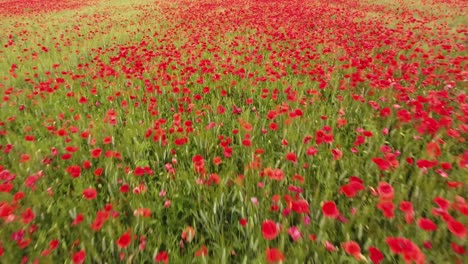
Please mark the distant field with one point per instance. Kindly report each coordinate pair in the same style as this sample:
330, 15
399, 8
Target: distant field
238, 131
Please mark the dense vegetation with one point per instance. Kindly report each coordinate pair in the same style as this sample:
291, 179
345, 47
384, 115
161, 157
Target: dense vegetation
238, 131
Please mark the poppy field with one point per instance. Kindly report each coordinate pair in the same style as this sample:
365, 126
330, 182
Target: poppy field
236, 131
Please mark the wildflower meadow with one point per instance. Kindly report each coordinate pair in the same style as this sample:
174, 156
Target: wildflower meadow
234, 131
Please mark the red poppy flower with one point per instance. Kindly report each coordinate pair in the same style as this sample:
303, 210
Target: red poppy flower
79, 257
53, 244
427, 245
456, 228
18, 196
217, 160
406, 207
387, 208
144, 212
427, 164
162, 257
274, 174
125, 188
383, 164
291, 156
273, 255
406, 248
311, 151
337, 154
385, 191
300, 206
427, 225
329, 209
188, 234
27, 216
6, 187
74, 171
71, 149
45, 252
89, 194
458, 249
214, 179
247, 142
375, 255
269, 230
97, 224
66, 156
352, 248
98, 172
107, 140
101, 218
462, 208
124, 240
96, 153
351, 189
24, 243
294, 233
139, 171
409, 217
463, 163
455, 184
203, 251
199, 164
197, 160
298, 178
433, 150
399, 245
86, 164
442, 203
330, 247
79, 218
243, 222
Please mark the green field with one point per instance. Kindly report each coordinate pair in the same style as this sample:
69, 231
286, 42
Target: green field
239, 131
